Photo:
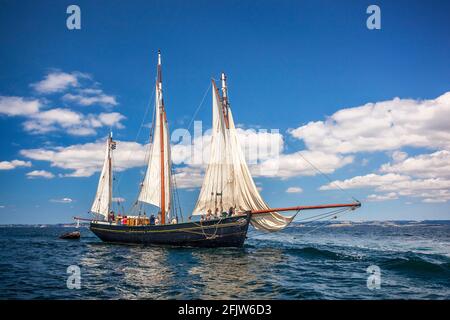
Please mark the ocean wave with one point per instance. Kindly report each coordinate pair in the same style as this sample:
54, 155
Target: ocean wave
418, 266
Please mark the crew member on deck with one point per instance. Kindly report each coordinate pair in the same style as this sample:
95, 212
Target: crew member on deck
144, 221
231, 212
152, 220
216, 213
174, 221
111, 216
208, 215
224, 214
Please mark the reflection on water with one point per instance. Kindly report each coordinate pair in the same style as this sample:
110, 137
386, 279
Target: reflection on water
224, 273
131, 272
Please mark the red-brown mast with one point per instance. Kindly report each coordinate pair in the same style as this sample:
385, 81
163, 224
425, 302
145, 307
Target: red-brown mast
161, 142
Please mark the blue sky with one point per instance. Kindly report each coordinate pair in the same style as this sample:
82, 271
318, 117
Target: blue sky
289, 64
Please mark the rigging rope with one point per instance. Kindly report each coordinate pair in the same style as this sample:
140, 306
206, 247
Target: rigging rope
327, 177
334, 214
320, 226
199, 106
147, 152
137, 136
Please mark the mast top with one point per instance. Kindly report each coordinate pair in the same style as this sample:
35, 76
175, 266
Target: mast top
223, 78
159, 72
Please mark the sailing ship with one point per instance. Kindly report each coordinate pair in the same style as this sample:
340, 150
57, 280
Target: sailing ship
228, 189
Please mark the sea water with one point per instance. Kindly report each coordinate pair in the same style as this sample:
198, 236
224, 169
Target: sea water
318, 261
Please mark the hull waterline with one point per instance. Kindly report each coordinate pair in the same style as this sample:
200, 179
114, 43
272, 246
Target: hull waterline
226, 232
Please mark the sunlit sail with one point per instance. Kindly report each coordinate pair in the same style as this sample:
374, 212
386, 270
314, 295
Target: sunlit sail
228, 182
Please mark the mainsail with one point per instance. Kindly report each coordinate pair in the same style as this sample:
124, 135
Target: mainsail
228, 182
156, 186
103, 197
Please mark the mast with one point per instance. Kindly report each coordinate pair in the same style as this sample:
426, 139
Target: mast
161, 142
224, 99
102, 203
156, 186
110, 172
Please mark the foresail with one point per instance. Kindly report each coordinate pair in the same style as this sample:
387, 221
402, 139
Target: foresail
228, 182
217, 168
103, 196
150, 191
247, 193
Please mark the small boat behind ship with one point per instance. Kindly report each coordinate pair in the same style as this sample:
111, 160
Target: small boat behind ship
228, 203
74, 235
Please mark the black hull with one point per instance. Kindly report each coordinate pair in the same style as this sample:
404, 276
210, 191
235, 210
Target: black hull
227, 232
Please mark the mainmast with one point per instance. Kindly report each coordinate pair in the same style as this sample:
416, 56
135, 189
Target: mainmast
156, 187
161, 141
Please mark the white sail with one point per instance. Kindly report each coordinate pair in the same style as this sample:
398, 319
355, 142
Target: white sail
103, 197
151, 187
228, 182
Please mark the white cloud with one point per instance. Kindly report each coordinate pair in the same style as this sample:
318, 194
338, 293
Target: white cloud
419, 187
398, 156
74, 123
386, 125
382, 197
9, 165
62, 200
88, 97
432, 165
58, 81
189, 177
83, 160
118, 199
425, 176
18, 106
429, 190
367, 181
40, 174
111, 119
294, 164
435, 200
294, 190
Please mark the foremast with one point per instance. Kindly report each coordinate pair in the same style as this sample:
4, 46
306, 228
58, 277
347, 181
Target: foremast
102, 203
